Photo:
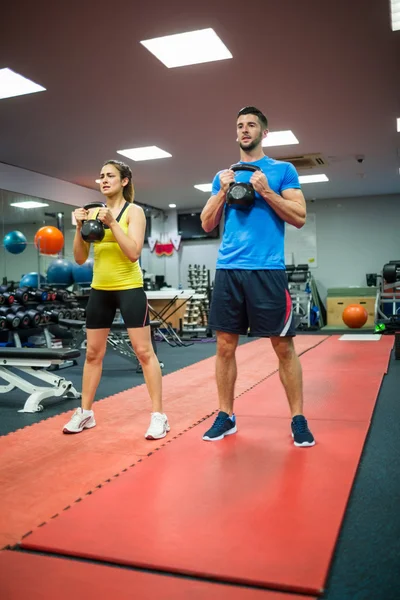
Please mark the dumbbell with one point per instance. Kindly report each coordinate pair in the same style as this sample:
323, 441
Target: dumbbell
29, 316
51, 313
51, 294
34, 294
12, 320
6, 298
21, 295
62, 295
3, 323
20, 312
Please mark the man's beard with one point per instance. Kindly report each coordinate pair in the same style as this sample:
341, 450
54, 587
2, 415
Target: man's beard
251, 146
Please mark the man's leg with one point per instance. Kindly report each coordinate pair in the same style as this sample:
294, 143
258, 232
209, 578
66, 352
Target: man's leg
290, 372
226, 370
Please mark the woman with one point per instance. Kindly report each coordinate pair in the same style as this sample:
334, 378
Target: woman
117, 283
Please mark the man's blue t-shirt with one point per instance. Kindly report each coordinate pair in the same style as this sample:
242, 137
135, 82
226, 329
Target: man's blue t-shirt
255, 239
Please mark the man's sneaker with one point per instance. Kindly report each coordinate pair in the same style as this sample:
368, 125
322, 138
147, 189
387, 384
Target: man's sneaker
159, 427
301, 435
222, 426
79, 421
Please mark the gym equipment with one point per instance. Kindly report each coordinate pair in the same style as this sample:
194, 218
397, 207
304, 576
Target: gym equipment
20, 312
93, 229
30, 280
34, 362
12, 320
60, 272
36, 294
355, 316
391, 272
6, 298
83, 274
241, 195
49, 240
15, 242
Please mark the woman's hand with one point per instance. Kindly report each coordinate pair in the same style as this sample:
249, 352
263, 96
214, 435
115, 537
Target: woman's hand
80, 215
105, 216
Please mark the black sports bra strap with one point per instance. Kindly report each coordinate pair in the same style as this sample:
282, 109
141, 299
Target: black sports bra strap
123, 209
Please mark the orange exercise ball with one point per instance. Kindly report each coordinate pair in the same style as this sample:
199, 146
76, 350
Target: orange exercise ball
49, 240
355, 316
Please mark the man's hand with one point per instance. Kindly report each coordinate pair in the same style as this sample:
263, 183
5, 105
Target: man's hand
260, 183
225, 179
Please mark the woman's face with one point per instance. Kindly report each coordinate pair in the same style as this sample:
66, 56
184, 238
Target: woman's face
110, 181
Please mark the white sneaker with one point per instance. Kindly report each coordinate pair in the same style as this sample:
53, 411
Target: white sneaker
79, 422
159, 427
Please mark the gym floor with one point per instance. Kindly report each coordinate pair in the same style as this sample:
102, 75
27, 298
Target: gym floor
367, 554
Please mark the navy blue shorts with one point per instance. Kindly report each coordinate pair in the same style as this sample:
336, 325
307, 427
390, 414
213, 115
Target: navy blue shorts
255, 300
103, 304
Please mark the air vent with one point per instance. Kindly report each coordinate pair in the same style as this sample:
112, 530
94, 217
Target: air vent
306, 161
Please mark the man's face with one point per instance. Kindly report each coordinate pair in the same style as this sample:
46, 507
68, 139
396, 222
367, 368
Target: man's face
249, 132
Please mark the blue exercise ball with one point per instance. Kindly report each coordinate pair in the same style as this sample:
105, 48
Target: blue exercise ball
15, 242
83, 274
31, 280
59, 273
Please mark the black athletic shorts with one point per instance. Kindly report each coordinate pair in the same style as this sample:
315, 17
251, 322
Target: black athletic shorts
102, 305
255, 300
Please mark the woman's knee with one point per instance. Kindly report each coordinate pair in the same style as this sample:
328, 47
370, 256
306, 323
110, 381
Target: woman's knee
144, 353
94, 355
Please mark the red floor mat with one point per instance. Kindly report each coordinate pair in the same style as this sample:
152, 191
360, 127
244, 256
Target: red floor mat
45, 578
338, 355
43, 471
251, 509
326, 396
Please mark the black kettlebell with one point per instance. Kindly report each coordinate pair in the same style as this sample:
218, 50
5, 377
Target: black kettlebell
241, 195
93, 229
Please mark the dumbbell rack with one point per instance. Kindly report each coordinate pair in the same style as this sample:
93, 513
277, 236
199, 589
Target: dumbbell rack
24, 311
197, 308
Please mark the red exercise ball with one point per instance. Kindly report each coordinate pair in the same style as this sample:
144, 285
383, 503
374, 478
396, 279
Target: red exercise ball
49, 240
355, 316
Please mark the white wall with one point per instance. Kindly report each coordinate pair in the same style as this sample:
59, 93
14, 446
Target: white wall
355, 236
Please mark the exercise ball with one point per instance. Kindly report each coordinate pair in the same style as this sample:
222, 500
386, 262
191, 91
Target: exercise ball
59, 273
83, 274
31, 280
15, 242
49, 240
355, 316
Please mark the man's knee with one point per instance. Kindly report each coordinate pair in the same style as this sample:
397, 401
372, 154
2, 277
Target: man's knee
284, 348
226, 344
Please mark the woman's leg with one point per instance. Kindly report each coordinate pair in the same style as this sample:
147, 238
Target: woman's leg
96, 345
100, 312
141, 343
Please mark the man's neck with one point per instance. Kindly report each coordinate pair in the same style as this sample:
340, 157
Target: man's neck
253, 156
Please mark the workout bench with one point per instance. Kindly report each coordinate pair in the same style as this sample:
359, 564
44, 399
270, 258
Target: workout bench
34, 362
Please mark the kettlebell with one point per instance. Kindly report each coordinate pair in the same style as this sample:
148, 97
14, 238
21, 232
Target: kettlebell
93, 229
241, 195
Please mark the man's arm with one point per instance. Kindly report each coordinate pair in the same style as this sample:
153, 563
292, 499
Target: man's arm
290, 206
212, 212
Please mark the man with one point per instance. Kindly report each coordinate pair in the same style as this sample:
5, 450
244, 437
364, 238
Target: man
251, 289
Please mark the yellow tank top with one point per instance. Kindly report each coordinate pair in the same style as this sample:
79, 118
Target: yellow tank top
112, 270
